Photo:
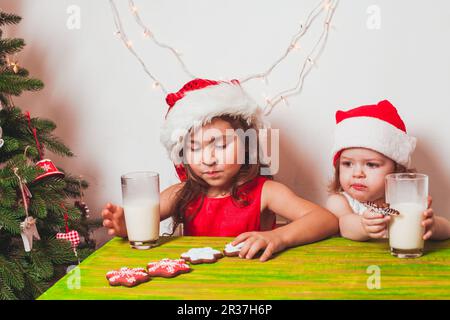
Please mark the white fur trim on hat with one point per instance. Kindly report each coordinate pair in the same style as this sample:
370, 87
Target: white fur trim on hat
199, 107
374, 134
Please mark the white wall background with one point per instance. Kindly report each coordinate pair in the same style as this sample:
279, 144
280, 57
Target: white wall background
108, 113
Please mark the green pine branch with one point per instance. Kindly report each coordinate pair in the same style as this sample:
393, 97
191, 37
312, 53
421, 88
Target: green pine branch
9, 18
9, 221
4, 100
41, 265
14, 85
9, 274
11, 46
60, 251
6, 292
55, 145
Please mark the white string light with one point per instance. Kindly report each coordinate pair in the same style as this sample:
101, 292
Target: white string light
293, 45
121, 34
160, 44
329, 6
309, 62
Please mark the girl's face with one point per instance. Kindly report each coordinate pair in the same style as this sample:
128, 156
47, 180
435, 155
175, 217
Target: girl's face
212, 153
362, 172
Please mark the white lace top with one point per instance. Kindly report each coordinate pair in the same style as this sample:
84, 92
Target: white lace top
356, 206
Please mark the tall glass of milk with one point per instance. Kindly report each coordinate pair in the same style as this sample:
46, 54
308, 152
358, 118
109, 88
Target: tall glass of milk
407, 193
140, 196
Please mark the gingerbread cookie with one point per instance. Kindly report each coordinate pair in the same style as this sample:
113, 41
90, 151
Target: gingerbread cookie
233, 251
202, 255
168, 268
384, 208
127, 277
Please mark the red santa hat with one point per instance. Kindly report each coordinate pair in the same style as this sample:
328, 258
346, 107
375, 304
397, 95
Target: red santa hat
376, 127
196, 104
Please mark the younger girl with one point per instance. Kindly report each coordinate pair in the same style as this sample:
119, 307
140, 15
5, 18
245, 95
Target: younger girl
371, 142
221, 193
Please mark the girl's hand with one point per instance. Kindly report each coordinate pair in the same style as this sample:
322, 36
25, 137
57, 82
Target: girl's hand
256, 241
114, 220
375, 224
428, 221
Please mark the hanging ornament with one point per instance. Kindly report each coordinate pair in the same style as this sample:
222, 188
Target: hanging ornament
83, 208
80, 204
1, 140
70, 235
47, 165
33, 130
28, 229
49, 168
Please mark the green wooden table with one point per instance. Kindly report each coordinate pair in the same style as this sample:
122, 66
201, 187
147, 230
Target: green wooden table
335, 268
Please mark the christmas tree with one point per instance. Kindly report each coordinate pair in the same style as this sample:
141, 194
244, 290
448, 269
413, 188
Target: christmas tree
44, 225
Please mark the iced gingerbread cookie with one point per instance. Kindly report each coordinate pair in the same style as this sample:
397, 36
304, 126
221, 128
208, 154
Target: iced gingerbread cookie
127, 277
168, 268
233, 251
202, 255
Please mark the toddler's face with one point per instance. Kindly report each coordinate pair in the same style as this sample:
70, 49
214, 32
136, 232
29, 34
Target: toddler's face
362, 172
212, 153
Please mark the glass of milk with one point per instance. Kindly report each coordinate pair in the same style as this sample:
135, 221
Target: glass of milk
407, 193
140, 196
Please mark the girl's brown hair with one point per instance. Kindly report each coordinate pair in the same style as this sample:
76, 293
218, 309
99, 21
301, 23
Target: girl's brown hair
335, 185
195, 187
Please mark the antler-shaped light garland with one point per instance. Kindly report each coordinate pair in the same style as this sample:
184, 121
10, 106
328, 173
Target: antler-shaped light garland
327, 6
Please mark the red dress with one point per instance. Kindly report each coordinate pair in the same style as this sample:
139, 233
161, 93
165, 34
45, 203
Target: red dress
224, 217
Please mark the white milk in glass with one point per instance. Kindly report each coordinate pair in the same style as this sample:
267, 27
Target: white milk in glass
406, 230
407, 193
140, 194
142, 220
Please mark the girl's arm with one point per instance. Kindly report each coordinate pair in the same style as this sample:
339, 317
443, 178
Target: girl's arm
310, 223
167, 200
350, 225
356, 227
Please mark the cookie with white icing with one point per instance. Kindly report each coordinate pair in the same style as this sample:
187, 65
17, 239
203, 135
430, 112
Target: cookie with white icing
168, 268
202, 255
233, 251
127, 277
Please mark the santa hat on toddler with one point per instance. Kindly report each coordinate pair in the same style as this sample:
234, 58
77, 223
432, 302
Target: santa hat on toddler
196, 104
376, 127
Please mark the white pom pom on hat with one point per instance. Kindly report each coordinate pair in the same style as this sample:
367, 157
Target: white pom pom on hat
376, 127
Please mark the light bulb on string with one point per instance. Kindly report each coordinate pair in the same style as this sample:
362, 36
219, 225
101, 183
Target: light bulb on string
267, 99
294, 46
327, 5
284, 101
329, 25
147, 33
